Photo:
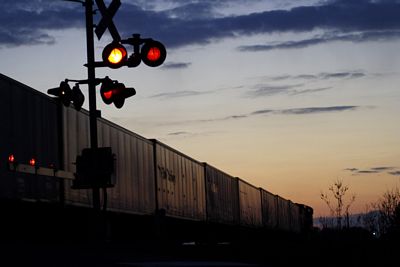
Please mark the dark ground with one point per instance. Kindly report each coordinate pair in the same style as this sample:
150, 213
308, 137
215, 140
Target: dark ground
318, 249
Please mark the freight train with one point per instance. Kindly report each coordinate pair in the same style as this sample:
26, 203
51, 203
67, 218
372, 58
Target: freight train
153, 180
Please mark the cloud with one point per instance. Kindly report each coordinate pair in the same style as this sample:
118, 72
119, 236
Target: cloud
353, 74
351, 169
176, 65
268, 90
199, 22
374, 170
27, 22
314, 110
262, 111
310, 91
343, 16
179, 133
382, 168
348, 37
179, 94
367, 171
295, 111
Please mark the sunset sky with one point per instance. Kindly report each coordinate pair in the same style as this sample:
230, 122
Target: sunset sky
289, 95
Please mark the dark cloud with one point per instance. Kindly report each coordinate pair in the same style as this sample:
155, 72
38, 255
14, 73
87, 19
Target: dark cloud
373, 170
26, 22
179, 133
310, 91
367, 171
179, 94
176, 65
235, 117
263, 111
320, 76
343, 16
301, 111
350, 37
313, 110
198, 22
382, 168
268, 90
351, 169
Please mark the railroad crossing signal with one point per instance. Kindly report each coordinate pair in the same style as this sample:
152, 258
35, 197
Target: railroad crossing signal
66, 95
151, 52
115, 92
106, 20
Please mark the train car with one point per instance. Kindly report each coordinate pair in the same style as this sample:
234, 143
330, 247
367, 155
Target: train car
179, 184
269, 204
28, 133
295, 223
221, 196
249, 205
134, 190
306, 217
283, 214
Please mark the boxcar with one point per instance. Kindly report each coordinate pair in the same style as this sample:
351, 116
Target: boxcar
180, 184
249, 204
134, 190
306, 217
283, 214
222, 196
269, 209
28, 129
295, 225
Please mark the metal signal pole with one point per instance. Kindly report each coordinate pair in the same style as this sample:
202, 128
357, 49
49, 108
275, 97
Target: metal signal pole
92, 89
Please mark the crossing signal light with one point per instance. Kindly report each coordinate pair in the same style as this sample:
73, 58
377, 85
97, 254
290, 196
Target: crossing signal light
63, 92
114, 55
153, 53
32, 162
67, 95
77, 97
115, 92
11, 158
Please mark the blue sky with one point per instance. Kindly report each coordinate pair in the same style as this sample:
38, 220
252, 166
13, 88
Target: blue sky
288, 95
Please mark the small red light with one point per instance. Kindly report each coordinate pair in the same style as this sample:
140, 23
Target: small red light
11, 158
154, 54
108, 94
32, 162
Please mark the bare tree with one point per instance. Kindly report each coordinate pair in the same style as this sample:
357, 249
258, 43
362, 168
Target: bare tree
389, 210
338, 190
370, 219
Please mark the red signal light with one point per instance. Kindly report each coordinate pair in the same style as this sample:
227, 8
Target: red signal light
108, 94
115, 92
106, 90
153, 53
11, 158
32, 162
114, 55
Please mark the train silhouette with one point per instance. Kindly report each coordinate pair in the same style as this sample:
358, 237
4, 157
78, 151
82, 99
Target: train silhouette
156, 185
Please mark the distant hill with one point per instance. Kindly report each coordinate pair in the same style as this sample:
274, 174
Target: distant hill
355, 220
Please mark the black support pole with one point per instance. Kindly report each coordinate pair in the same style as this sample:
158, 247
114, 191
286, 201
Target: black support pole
92, 89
